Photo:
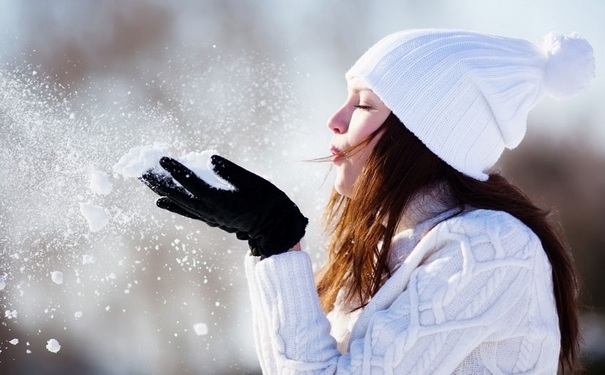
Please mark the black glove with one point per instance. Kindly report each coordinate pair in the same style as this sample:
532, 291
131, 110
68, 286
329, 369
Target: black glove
256, 211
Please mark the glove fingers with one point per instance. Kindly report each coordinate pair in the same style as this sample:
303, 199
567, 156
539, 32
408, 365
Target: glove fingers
242, 235
194, 206
169, 205
227, 228
189, 180
157, 183
163, 185
237, 176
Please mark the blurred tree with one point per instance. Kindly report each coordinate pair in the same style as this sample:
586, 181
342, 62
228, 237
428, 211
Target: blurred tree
71, 40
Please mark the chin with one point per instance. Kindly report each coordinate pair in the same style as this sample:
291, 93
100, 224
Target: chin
343, 189
344, 181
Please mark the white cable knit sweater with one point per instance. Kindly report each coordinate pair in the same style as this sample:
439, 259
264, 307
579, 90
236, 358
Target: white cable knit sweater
471, 296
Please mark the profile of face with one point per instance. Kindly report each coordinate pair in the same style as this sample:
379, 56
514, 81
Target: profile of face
362, 113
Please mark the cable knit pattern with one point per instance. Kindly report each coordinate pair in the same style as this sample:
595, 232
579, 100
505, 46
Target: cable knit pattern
473, 295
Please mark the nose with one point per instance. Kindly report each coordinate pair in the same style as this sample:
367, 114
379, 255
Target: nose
339, 121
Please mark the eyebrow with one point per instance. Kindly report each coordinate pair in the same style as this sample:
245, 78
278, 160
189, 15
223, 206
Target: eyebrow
359, 90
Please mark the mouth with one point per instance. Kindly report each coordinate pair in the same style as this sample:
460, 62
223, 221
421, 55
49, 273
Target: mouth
336, 153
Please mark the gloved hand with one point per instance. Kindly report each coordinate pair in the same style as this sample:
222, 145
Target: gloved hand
256, 211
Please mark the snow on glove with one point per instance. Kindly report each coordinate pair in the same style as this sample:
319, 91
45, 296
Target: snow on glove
256, 210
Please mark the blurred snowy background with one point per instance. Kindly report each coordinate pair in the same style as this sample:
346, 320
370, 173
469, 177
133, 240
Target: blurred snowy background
84, 81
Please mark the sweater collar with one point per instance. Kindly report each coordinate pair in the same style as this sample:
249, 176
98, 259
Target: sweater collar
425, 210
425, 205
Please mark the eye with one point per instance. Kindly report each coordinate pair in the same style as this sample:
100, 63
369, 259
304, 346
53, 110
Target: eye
364, 107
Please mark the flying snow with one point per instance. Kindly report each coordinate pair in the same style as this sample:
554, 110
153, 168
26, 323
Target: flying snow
96, 216
69, 176
136, 162
53, 346
88, 259
201, 329
99, 182
57, 277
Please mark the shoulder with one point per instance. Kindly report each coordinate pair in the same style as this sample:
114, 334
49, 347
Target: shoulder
481, 220
495, 224
488, 233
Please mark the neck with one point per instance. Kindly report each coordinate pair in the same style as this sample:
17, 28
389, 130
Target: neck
426, 204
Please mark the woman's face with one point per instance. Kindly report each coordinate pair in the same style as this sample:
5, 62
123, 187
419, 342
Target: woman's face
362, 113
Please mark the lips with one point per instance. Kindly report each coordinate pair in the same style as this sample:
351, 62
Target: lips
336, 153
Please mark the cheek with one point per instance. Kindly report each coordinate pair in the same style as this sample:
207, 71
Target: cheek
359, 134
363, 125
361, 157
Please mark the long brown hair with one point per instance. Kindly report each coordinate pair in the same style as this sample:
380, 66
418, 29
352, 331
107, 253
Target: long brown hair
399, 166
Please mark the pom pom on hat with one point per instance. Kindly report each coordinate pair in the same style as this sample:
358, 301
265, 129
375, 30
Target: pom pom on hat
570, 65
467, 95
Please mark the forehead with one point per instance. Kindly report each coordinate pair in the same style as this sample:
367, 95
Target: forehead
356, 85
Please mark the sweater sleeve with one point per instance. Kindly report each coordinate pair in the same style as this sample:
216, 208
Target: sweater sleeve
288, 318
262, 338
472, 285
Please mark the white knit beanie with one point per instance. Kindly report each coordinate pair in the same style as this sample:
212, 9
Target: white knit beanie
466, 95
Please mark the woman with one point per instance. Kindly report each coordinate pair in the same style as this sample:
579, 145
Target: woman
436, 266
